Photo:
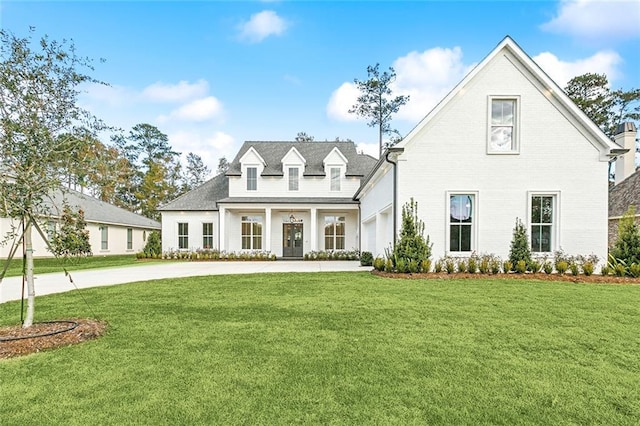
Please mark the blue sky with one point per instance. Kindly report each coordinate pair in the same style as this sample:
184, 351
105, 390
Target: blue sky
213, 74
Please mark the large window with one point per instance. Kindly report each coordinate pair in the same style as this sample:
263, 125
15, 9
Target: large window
252, 178
183, 236
129, 239
542, 218
335, 178
503, 133
251, 232
461, 222
294, 178
207, 235
334, 227
104, 237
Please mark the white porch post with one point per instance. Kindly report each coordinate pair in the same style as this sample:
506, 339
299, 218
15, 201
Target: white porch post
314, 229
267, 229
380, 233
222, 232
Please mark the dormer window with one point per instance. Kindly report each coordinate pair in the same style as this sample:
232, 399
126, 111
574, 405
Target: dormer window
252, 178
294, 178
335, 178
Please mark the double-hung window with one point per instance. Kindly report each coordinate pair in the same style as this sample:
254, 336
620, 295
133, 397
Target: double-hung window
503, 128
104, 237
462, 222
335, 178
207, 235
294, 178
183, 236
543, 209
251, 232
129, 239
252, 178
334, 232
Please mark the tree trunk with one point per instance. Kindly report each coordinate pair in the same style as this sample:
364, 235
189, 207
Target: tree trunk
31, 292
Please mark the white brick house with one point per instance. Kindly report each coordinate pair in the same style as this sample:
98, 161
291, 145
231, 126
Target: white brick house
287, 198
505, 143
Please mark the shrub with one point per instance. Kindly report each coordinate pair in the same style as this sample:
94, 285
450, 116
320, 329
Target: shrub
547, 267
366, 258
574, 268
634, 270
425, 266
402, 266
388, 265
534, 266
620, 270
627, 246
378, 264
413, 267
437, 268
154, 244
507, 266
561, 256
411, 245
472, 265
461, 266
587, 268
484, 265
519, 245
605, 270
449, 266
562, 267
494, 265
521, 267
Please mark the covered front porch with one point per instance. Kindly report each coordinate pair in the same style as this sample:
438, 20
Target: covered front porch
289, 230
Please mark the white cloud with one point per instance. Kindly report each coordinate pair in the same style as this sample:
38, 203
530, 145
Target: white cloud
111, 95
596, 19
209, 145
262, 25
605, 62
198, 110
425, 76
373, 149
179, 92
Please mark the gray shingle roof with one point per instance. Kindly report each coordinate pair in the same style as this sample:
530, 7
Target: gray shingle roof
202, 198
98, 211
624, 195
313, 152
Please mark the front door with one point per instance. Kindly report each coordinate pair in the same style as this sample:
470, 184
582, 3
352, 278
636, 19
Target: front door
292, 240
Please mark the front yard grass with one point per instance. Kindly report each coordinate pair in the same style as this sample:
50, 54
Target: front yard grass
341, 348
46, 265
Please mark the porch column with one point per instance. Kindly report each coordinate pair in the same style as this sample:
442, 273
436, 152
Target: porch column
380, 234
314, 229
267, 229
222, 232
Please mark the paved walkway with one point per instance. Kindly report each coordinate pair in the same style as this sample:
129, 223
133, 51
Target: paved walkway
11, 288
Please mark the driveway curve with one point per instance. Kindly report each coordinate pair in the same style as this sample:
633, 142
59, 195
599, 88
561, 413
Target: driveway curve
11, 288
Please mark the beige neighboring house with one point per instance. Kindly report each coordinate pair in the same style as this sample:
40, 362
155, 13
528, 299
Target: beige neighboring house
112, 230
626, 191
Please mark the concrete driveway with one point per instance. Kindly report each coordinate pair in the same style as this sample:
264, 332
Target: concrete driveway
11, 288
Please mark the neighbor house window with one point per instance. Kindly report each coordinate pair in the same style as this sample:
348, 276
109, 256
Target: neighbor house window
461, 222
252, 178
503, 130
542, 221
104, 237
129, 239
334, 227
251, 232
183, 235
294, 178
335, 178
51, 230
207, 235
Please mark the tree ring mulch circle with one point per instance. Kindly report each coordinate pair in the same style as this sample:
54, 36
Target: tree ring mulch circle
17, 341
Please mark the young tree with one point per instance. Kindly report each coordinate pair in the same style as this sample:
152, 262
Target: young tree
196, 172
520, 249
39, 120
72, 239
412, 246
627, 246
376, 101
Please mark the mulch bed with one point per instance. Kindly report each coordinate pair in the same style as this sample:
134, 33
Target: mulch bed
87, 329
591, 279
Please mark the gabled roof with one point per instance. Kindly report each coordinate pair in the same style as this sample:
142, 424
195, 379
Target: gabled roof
203, 198
250, 151
98, 211
625, 194
591, 131
314, 152
294, 152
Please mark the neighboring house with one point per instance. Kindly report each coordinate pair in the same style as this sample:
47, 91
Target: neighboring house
505, 143
626, 192
112, 230
287, 198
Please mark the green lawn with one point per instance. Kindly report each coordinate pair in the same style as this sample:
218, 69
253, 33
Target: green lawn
46, 265
336, 348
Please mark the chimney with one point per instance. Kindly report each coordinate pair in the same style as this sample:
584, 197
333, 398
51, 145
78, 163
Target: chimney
626, 163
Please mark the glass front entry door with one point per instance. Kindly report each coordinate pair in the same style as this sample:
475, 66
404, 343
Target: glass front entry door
292, 240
